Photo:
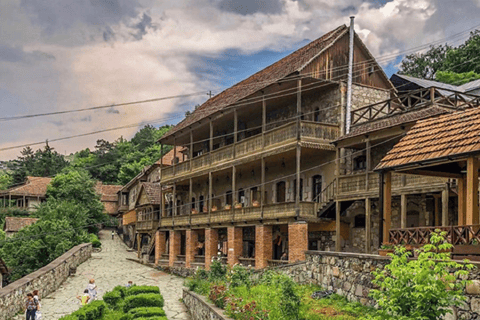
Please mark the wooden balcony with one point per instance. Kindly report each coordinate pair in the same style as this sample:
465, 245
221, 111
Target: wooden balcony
465, 239
248, 214
361, 185
147, 225
320, 134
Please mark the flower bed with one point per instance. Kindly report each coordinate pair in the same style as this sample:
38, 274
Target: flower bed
274, 296
134, 303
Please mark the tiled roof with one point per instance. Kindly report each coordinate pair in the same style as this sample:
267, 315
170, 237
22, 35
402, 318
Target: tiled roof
441, 137
14, 224
395, 120
110, 207
109, 192
277, 71
153, 192
34, 186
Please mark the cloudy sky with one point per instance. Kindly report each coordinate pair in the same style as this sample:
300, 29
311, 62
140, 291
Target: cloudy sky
58, 55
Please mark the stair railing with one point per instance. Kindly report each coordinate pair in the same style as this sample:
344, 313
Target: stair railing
325, 196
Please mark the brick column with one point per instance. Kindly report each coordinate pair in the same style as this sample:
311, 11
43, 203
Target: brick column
297, 241
263, 246
191, 243
139, 245
160, 245
235, 244
211, 246
175, 242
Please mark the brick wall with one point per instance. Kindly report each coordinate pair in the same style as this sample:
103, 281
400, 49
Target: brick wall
235, 244
160, 245
263, 245
211, 246
175, 243
191, 243
46, 280
297, 241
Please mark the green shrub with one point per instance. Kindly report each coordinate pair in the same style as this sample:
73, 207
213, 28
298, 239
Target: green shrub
199, 286
240, 276
69, 317
121, 290
132, 291
217, 271
153, 318
94, 240
112, 298
424, 288
91, 311
290, 300
143, 300
147, 312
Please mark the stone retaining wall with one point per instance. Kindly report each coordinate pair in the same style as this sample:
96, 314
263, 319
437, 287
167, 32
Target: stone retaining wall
46, 280
349, 275
200, 309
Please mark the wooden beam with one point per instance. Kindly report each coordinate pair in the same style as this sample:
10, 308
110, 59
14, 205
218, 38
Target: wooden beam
209, 198
338, 237
234, 188
472, 191
369, 163
264, 120
262, 186
387, 204
433, 173
211, 136
189, 202
174, 154
461, 183
403, 210
437, 210
445, 194
368, 224
381, 209
190, 154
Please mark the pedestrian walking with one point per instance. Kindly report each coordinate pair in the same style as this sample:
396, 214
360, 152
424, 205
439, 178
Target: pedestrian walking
36, 299
92, 290
129, 284
30, 307
85, 298
113, 233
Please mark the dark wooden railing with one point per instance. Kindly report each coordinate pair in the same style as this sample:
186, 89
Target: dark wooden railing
415, 99
456, 235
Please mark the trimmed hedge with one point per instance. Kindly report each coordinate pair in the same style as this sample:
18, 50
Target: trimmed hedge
143, 300
122, 290
112, 298
147, 312
92, 311
133, 291
153, 318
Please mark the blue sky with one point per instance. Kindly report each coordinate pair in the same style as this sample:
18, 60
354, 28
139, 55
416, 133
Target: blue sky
61, 55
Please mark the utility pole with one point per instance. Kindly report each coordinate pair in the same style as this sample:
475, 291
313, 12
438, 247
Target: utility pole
210, 94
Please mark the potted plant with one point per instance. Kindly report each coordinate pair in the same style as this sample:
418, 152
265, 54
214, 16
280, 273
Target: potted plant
214, 208
238, 205
256, 203
386, 248
205, 209
228, 206
194, 211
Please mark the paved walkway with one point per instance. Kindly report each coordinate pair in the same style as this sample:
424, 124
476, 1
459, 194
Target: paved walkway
110, 268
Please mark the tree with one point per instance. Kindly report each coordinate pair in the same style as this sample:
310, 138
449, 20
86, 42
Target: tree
424, 65
424, 288
456, 78
77, 187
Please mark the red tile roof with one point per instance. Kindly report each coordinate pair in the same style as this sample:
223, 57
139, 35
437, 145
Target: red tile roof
441, 137
271, 74
14, 224
34, 186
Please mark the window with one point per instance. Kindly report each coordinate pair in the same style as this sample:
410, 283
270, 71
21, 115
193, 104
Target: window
360, 221
316, 187
360, 163
254, 194
241, 197
316, 115
193, 203
280, 192
201, 204
124, 199
295, 190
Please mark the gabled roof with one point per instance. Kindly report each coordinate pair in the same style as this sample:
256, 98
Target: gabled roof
445, 136
34, 186
14, 224
152, 191
292, 63
108, 192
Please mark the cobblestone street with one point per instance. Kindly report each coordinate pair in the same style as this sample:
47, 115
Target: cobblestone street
110, 268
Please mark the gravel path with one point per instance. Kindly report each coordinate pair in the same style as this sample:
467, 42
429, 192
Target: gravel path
110, 268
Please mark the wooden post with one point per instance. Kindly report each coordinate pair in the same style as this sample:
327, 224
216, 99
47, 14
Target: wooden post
445, 207
381, 210
235, 131
436, 203
234, 187
403, 211
432, 95
387, 199
161, 161
211, 136
461, 201
264, 120
162, 203
190, 153
174, 211
368, 224
297, 198
368, 160
262, 186
298, 149
210, 182
472, 191
338, 236
189, 202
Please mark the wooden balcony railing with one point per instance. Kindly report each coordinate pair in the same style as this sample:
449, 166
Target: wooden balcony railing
270, 212
247, 262
456, 235
147, 225
313, 131
355, 184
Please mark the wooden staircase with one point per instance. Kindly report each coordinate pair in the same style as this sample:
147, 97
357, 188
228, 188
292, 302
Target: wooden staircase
325, 200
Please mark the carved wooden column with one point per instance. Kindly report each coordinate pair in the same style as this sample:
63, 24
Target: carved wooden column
387, 200
472, 191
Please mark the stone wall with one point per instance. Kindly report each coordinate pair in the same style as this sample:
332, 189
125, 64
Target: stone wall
349, 275
46, 280
200, 309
